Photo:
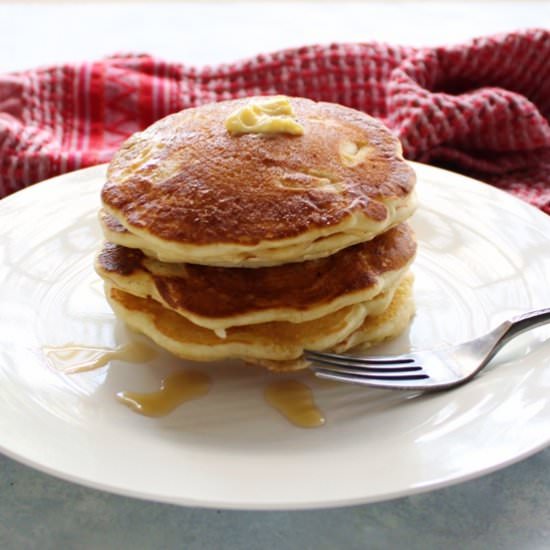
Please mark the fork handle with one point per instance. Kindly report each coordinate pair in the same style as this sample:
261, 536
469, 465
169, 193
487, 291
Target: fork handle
524, 322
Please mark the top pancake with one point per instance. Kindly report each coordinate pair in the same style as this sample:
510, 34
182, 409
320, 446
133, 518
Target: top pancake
190, 191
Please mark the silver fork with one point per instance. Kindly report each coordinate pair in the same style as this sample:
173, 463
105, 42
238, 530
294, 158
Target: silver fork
431, 370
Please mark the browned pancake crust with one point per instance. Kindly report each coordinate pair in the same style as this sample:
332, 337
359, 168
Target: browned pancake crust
218, 292
251, 188
111, 223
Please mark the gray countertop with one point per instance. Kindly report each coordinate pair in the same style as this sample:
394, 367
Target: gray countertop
508, 509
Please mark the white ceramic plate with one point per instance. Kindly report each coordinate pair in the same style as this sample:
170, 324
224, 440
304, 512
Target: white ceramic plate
483, 257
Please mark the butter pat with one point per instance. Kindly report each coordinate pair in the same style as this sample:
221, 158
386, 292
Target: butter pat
274, 115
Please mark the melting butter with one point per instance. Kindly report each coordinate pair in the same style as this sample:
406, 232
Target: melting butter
71, 359
294, 400
352, 154
174, 390
274, 115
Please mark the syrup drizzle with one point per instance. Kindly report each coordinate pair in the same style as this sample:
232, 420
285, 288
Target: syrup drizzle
294, 400
72, 359
174, 390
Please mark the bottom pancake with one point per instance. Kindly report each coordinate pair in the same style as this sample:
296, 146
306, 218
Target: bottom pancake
277, 346
375, 329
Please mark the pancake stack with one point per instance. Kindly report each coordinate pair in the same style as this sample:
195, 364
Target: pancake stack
260, 227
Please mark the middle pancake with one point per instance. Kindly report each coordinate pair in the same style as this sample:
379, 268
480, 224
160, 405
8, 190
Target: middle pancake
219, 298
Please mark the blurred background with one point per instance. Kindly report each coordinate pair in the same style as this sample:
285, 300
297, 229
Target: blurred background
208, 32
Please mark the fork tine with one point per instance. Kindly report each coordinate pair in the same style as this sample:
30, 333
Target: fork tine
389, 382
332, 358
363, 365
344, 368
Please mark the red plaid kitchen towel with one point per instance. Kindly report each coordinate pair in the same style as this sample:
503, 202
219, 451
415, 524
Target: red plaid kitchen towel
482, 108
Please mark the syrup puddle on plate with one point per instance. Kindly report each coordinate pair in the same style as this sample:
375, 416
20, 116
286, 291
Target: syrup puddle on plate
72, 359
294, 400
174, 390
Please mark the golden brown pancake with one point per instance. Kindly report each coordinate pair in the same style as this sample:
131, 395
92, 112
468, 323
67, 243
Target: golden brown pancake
217, 298
188, 190
376, 328
386, 325
277, 346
